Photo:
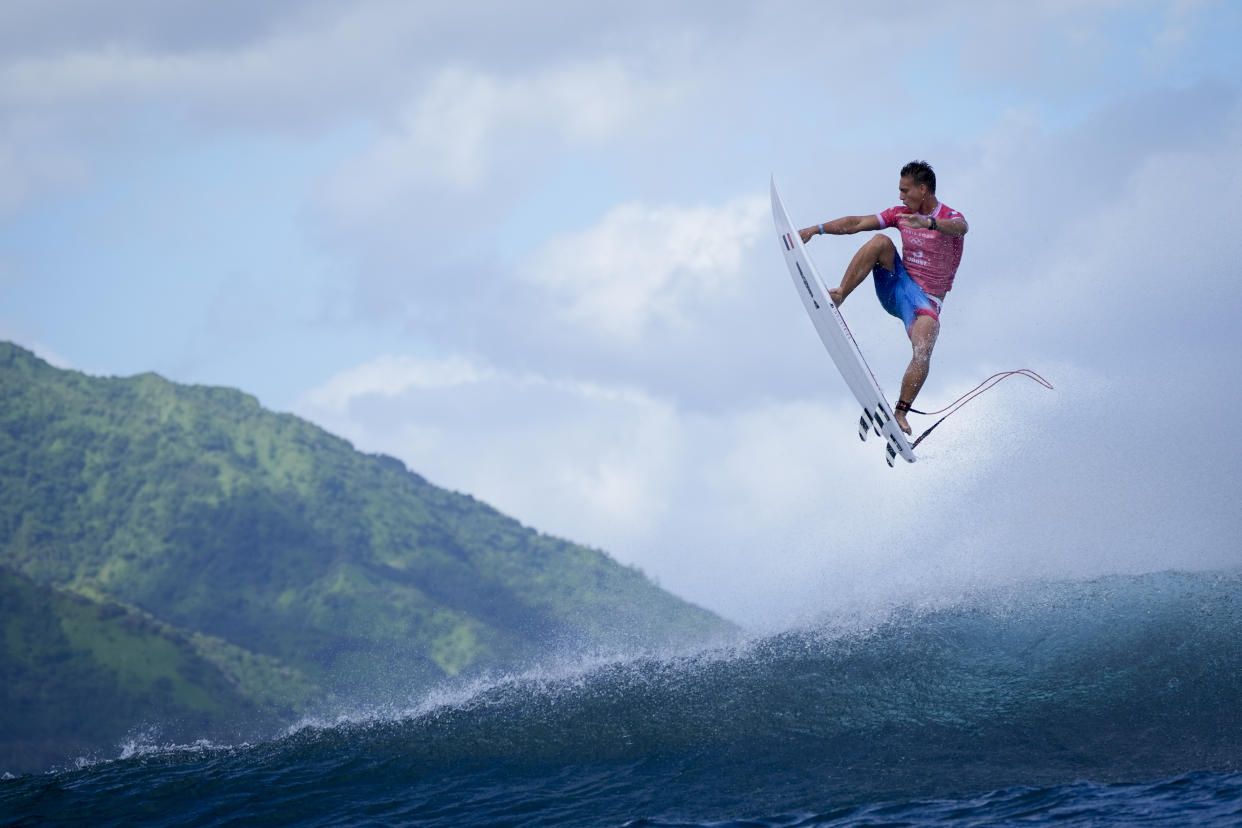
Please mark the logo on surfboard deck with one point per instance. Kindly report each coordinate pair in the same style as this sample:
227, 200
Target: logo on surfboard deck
787, 238
807, 285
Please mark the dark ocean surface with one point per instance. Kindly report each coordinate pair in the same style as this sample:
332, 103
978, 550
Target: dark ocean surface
1109, 702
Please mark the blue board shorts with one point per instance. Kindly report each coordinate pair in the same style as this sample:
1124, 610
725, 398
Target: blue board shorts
901, 296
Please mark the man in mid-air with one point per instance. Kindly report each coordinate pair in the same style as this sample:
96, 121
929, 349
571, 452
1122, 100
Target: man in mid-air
910, 286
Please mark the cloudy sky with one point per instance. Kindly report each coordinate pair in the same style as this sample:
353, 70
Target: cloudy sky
527, 248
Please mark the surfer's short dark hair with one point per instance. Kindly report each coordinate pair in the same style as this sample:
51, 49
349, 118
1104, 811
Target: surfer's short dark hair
920, 172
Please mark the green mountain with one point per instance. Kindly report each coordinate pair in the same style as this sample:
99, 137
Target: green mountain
264, 565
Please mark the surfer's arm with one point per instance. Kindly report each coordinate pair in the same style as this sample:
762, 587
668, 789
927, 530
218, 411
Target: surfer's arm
845, 226
950, 227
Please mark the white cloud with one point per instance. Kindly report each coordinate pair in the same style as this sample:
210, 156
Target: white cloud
390, 376
562, 454
641, 267
456, 129
1088, 262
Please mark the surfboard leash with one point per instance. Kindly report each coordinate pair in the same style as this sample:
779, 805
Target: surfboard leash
987, 385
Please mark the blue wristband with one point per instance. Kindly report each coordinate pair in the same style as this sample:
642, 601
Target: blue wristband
822, 231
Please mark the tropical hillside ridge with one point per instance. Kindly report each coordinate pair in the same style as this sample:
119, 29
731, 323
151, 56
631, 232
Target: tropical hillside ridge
178, 560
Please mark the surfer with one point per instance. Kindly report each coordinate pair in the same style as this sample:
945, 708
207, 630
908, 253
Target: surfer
912, 285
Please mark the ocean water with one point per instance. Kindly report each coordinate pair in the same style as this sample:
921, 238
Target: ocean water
1109, 702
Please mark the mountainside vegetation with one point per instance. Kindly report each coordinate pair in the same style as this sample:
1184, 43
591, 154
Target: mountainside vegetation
180, 550
78, 674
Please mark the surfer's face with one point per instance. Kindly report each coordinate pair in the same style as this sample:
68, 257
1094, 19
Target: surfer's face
912, 194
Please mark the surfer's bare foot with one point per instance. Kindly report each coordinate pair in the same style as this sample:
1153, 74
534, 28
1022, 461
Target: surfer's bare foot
900, 417
899, 414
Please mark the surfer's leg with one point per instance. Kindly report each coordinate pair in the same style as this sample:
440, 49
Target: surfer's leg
880, 250
923, 335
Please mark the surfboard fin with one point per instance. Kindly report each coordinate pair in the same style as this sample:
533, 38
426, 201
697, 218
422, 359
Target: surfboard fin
867, 422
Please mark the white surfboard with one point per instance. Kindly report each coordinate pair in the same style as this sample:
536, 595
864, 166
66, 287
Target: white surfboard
876, 416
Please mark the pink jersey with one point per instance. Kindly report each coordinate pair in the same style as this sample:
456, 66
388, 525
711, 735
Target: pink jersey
931, 258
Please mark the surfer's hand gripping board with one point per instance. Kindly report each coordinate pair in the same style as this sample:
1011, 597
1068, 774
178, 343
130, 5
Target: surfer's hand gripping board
876, 416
